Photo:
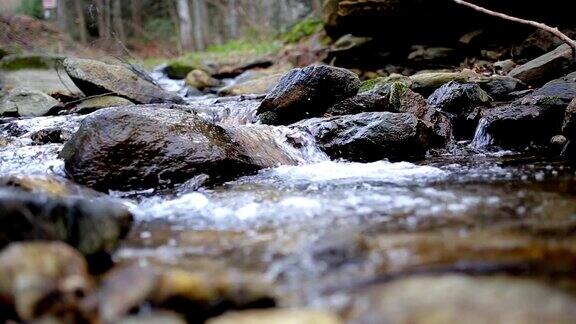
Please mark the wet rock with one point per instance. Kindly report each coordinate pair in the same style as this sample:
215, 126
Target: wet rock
235, 69
545, 67
370, 136
154, 318
308, 92
395, 97
461, 102
26, 103
460, 299
94, 227
500, 87
280, 316
569, 129
41, 279
97, 78
29, 61
128, 148
51, 186
179, 69
200, 80
91, 105
533, 119
259, 85
50, 135
427, 82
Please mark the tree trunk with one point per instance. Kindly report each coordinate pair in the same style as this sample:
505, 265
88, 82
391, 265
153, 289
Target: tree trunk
136, 17
233, 19
118, 22
103, 27
198, 10
61, 15
185, 25
82, 32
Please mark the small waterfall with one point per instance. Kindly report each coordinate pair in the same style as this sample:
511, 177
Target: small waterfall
482, 138
271, 146
229, 111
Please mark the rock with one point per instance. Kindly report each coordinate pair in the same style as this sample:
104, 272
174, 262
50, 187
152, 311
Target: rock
569, 129
97, 78
559, 92
158, 146
50, 135
235, 69
26, 103
280, 316
370, 136
200, 80
461, 103
29, 61
154, 318
259, 85
501, 87
545, 67
395, 97
42, 278
50, 186
91, 105
462, 299
308, 92
505, 66
94, 227
427, 82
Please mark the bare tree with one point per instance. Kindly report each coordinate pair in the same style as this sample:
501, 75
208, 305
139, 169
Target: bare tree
81, 19
185, 25
118, 21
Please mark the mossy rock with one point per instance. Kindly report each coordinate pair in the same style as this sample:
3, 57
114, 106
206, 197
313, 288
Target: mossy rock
92, 104
179, 69
301, 30
372, 84
14, 62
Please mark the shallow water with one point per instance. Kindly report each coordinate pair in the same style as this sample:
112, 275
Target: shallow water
321, 232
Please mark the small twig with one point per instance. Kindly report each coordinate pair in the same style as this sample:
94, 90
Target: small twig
555, 31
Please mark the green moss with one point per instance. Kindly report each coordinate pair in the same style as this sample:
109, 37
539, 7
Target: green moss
549, 101
398, 89
371, 84
31, 61
301, 30
179, 69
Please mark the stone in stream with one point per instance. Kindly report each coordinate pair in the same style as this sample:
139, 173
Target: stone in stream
201, 80
548, 66
26, 103
94, 226
533, 119
50, 135
92, 104
461, 299
259, 85
371, 136
462, 103
126, 148
41, 278
396, 97
98, 78
278, 316
307, 92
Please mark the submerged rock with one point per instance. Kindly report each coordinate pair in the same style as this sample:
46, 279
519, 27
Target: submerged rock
41, 278
307, 92
26, 103
91, 105
371, 136
200, 80
280, 316
461, 102
126, 148
94, 227
98, 78
461, 299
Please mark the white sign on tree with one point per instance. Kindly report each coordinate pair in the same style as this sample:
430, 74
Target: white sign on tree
49, 4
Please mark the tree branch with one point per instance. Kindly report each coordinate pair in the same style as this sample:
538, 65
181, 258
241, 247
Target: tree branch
555, 31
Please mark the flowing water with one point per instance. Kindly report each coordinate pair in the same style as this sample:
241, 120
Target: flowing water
319, 232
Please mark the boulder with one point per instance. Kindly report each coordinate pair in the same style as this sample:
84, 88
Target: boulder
371, 136
200, 80
128, 148
45, 185
92, 104
427, 82
278, 316
98, 78
546, 67
94, 227
461, 102
41, 278
50, 135
395, 97
26, 103
179, 69
307, 92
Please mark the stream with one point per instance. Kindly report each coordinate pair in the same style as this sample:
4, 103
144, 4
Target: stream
325, 233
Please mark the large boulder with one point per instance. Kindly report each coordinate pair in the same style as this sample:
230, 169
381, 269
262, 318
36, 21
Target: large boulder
94, 227
543, 68
26, 103
371, 136
128, 148
461, 102
307, 92
98, 78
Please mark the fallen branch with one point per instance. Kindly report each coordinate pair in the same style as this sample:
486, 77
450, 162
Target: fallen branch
555, 31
